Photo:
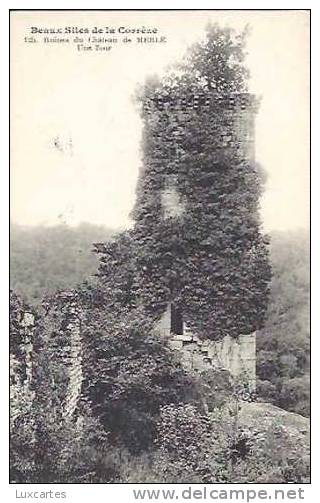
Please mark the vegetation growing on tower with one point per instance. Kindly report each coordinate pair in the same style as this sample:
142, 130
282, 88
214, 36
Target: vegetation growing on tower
110, 400
197, 238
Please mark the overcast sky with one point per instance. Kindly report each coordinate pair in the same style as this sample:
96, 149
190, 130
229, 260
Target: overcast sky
75, 151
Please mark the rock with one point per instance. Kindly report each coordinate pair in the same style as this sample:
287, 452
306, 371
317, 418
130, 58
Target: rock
279, 442
264, 415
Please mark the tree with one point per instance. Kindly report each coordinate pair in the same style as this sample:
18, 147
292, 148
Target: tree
129, 374
216, 63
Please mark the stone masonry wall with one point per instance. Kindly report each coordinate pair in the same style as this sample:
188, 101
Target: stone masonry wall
237, 355
21, 395
74, 362
68, 357
234, 116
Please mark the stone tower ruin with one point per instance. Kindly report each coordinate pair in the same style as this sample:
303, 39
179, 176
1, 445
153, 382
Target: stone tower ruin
232, 119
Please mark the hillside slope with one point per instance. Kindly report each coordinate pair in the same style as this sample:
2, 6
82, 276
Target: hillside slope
44, 259
283, 346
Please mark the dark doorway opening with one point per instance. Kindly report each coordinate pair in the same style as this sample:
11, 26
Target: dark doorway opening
176, 325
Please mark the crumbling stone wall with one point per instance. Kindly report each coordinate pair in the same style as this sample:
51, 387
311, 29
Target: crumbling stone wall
74, 359
237, 355
21, 394
63, 337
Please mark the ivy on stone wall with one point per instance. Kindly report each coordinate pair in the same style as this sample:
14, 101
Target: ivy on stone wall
209, 257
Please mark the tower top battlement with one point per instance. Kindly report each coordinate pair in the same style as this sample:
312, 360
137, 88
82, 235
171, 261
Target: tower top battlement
204, 100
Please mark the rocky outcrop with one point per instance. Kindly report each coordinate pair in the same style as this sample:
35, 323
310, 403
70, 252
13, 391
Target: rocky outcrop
278, 441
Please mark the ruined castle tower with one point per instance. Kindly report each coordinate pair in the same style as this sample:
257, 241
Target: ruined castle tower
228, 137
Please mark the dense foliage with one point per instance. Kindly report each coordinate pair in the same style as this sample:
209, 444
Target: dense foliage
46, 444
283, 346
219, 448
129, 373
135, 359
209, 257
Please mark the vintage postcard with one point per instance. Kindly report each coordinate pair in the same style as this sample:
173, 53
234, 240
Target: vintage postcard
159, 249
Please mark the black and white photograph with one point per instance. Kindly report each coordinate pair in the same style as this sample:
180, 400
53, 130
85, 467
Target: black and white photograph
160, 248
